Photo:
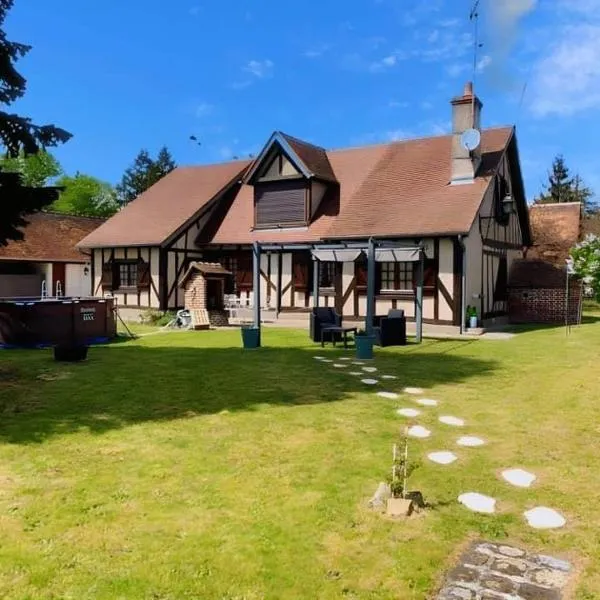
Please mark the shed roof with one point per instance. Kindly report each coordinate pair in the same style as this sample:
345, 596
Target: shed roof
205, 269
51, 237
536, 274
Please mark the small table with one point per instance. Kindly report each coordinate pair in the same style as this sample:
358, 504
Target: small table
343, 331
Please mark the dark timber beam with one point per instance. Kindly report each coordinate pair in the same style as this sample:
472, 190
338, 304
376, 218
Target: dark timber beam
370, 286
419, 298
316, 290
256, 285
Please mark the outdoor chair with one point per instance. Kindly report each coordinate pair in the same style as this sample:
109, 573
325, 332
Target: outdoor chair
391, 330
321, 318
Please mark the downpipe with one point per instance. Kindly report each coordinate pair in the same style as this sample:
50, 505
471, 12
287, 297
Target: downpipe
463, 285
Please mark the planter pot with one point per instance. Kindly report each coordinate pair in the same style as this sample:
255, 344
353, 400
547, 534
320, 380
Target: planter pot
473, 322
70, 353
364, 346
251, 337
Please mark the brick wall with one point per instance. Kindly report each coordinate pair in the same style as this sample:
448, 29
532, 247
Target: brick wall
218, 318
195, 292
544, 305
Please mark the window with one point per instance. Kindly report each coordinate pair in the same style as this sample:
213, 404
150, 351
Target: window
127, 275
327, 275
396, 277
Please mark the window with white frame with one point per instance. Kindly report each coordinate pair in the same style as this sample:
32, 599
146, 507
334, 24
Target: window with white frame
396, 277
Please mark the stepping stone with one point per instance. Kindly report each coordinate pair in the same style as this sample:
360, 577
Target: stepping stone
418, 432
358, 364
319, 357
345, 359
470, 441
359, 373
388, 377
427, 402
370, 381
388, 395
542, 517
455, 422
442, 458
326, 360
340, 366
412, 390
411, 413
478, 502
369, 369
518, 477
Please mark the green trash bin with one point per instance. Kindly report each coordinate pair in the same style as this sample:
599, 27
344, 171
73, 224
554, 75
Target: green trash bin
251, 336
364, 346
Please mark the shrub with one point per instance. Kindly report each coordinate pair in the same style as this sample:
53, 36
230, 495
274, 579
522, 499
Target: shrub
157, 317
586, 263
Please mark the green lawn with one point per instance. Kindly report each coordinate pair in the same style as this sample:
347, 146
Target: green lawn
179, 466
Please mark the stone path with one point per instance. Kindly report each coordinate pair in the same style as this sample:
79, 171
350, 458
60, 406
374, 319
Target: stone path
496, 572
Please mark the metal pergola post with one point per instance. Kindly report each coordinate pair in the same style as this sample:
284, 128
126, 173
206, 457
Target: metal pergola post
419, 298
316, 279
256, 284
370, 286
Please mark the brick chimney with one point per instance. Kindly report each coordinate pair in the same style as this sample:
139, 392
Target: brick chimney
466, 114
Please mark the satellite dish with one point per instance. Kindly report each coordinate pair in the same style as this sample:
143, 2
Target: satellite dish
470, 139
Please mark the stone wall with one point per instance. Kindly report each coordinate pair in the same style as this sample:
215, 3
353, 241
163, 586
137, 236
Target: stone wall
218, 318
544, 305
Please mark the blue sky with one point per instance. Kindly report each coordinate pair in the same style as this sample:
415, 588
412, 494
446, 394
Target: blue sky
143, 73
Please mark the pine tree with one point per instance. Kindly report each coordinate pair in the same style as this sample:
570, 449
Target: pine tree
18, 134
561, 187
144, 173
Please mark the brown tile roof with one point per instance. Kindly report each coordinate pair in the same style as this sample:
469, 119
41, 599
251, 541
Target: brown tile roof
397, 189
51, 237
314, 157
152, 217
556, 228
536, 273
205, 268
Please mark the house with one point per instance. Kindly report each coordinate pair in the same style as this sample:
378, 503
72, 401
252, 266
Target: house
538, 291
48, 254
466, 208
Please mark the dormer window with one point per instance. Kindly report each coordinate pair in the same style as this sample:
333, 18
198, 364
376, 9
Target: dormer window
290, 179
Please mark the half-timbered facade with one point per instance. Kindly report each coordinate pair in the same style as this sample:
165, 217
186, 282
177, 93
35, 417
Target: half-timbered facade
467, 209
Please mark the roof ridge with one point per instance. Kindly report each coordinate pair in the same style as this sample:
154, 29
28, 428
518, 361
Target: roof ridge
408, 140
295, 139
55, 213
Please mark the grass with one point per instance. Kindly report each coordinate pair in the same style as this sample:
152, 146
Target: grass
179, 466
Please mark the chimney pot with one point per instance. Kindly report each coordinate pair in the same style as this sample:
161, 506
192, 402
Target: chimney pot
468, 88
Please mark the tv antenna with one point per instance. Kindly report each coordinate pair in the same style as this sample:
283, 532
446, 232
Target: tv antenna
474, 18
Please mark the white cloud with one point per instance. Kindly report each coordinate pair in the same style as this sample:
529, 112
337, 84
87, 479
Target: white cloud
483, 63
457, 69
194, 11
204, 109
434, 36
241, 85
316, 51
260, 68
567, 80
387, 62
396, 104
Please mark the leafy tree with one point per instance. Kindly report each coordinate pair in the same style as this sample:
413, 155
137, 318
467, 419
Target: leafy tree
85, 195
144, 173
561, 187
19, 134
586, 262
37, 170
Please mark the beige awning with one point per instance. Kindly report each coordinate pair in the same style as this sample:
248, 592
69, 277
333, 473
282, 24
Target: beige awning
336, 255
397, 254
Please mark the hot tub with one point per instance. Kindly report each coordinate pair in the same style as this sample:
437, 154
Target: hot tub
42, 322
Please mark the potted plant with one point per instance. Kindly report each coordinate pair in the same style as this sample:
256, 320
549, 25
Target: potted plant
364, 345
472, 319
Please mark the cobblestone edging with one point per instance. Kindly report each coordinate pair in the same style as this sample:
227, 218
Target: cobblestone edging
497, 572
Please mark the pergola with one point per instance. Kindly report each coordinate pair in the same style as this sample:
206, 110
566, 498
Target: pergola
377, 251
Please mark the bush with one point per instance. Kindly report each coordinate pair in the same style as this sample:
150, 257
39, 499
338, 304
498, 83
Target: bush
586, 263
157, 317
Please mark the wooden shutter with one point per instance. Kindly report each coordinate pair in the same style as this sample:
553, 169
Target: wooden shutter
244, 273
280, 203
143, 275
360, 271
430, 271
107, 276
301, 263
